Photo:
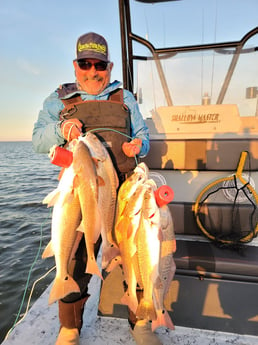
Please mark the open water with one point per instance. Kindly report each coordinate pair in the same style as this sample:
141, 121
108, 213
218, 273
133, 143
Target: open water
25, 179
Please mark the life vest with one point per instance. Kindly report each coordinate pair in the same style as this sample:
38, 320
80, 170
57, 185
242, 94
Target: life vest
108, 119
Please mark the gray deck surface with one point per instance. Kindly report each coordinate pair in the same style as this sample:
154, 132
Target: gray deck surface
41, 325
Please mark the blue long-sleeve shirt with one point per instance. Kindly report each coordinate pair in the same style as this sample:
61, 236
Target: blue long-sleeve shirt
47, 132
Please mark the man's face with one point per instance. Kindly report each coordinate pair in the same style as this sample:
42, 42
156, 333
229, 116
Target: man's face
92, 75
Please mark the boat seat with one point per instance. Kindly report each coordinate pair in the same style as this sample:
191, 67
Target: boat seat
207, 259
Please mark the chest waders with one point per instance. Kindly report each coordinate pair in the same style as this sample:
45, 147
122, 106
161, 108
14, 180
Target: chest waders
109, 120
112, 116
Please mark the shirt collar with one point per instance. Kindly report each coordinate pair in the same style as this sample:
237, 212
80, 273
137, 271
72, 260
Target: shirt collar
104, 94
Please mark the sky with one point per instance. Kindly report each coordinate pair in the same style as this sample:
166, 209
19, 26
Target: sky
38, 44
38, 41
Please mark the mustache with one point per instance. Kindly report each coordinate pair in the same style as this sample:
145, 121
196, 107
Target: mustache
95, 78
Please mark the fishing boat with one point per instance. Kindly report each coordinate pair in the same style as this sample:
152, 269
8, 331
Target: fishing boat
200, 103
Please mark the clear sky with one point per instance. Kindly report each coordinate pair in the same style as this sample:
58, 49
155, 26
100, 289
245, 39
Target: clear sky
38, 40
38, 45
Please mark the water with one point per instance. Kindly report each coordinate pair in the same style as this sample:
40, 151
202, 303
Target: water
25, 179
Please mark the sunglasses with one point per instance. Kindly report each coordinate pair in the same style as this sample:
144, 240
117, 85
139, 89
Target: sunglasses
86, 65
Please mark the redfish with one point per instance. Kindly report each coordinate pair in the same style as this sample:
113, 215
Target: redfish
107, 194
65, 220
148, 251
86, 185
167, 269
127, 226
127, 189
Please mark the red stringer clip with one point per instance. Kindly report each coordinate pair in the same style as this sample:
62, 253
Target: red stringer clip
61, 157
164, 195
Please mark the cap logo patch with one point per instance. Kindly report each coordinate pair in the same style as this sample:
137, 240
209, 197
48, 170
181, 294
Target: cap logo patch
95, 47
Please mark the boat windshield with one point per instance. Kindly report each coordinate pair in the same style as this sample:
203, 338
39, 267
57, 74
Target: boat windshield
198, 56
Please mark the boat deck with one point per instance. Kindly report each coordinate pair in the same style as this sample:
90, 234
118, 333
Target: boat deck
41, 326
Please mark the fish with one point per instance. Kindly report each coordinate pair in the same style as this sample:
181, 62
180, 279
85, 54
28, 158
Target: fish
130, 185
65, 220
167, 269
148, 252
86, 185
127, 226
127, 189
107, 195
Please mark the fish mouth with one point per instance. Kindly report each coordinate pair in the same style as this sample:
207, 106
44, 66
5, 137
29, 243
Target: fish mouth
140, 169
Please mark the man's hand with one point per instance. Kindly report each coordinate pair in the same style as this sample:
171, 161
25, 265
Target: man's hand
71, 129
132, 148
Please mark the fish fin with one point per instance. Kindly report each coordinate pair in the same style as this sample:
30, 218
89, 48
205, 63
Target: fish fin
117, 180
62, 288
68, 198
146, 310
133, 249
72, 144
95, 161
170, 276
163, 320
51, 198
158, 283
111, 238
130, 301
48, 252
160, 235
119, 227
174, 245
76, 244
98, 225
130, 229
76, 181
92, 267
61, 173
101, 181
80, 228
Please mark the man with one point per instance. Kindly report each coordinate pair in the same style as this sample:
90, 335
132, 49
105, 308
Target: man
60, 121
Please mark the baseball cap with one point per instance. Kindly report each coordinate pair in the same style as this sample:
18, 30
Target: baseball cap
92, 46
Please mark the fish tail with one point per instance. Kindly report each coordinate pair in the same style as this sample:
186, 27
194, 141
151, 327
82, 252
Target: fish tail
92, 267
62, 288
146, 310
108, 253
130, 300
163, 319
114, 263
